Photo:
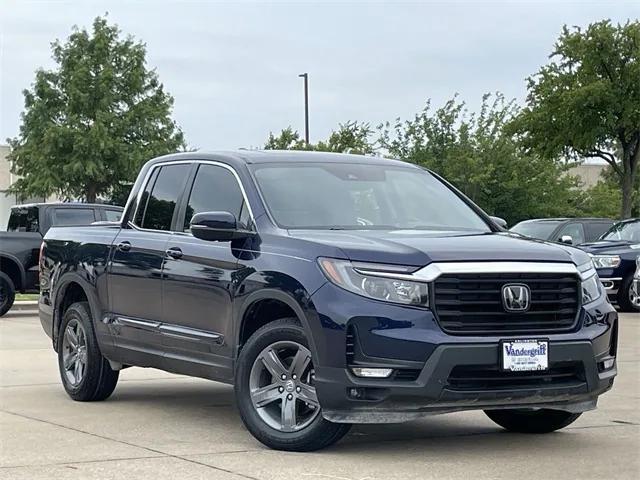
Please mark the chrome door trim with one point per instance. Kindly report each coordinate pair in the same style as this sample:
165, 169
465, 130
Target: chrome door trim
169, 329
189, 162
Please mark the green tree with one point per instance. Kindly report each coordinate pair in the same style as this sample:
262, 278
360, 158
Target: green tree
90, 123
602, 200
350, 137
586, 101
474, 153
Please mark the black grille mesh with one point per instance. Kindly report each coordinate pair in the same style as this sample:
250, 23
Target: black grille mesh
472, 303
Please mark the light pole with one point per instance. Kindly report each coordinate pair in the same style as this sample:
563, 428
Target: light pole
306, 106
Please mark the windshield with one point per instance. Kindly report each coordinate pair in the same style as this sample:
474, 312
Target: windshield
624, 231
541, 230
361, 197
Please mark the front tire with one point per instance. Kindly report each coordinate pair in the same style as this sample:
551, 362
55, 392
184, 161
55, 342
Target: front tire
628, 296
86, 375
532, 421
7, 293
275, 393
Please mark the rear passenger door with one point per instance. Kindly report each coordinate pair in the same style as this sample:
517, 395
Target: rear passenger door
198, 274
135, 271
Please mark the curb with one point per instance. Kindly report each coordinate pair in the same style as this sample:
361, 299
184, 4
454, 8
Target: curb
24, 306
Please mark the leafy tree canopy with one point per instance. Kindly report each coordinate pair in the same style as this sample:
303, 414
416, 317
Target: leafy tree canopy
350, 137
475, 154
91, 122
586, 102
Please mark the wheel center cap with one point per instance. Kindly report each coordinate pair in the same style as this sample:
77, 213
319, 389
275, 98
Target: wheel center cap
289, 386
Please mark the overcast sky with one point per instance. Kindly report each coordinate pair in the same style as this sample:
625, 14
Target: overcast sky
233, 67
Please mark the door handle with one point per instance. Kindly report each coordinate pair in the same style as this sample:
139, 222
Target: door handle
124, 246
174, 252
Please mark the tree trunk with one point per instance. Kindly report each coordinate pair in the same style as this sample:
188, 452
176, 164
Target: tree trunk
90, 193
627, 191
630, 155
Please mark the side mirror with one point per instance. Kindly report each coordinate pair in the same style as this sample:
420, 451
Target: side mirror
566, 239
217, 226
501, 222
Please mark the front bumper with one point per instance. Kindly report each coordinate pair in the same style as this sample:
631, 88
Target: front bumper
346, 398
611, 285
443, 373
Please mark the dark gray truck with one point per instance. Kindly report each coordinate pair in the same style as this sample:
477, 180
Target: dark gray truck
20, 244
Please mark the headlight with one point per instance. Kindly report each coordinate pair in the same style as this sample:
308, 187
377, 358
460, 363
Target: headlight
606, 261
591, 289
376, 282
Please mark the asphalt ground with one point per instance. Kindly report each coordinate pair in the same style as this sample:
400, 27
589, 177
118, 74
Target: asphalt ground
162, 426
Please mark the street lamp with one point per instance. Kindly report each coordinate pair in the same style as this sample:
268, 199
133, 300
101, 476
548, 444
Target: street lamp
306, 106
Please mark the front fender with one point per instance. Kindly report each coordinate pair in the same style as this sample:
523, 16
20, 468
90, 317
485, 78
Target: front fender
270, 285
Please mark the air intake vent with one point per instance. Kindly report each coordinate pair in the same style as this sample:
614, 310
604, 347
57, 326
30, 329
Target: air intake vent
350, 344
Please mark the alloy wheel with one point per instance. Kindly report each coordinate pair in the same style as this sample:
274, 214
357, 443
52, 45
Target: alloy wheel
281, 385
634, 293
74, 352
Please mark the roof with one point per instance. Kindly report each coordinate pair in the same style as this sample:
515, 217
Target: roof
566, 219
68, 204
283, 156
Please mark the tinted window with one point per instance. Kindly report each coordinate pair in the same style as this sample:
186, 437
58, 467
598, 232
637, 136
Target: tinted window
23, 219
113, 215
161, 203
541, 230
574, 230
595, 230
362, 196
73, 216
215, 189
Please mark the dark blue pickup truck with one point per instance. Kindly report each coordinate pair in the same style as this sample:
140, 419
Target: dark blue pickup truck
330, 290
616, 256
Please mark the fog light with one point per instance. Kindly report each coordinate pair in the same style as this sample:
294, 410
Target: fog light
608, 363
372, 372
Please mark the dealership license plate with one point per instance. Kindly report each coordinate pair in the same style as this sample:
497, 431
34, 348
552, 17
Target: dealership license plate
525, 355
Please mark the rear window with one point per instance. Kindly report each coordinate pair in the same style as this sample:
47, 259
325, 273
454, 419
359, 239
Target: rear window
113, 215
23, 219
65, 217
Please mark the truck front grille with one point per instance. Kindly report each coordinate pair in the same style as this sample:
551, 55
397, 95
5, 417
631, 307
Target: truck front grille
468, 304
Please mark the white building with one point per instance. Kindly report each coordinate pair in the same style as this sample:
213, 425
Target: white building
7, 200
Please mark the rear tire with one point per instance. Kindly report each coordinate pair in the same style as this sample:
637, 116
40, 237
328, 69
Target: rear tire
7, 293
283, 385
86, 375
625, 293
532, 421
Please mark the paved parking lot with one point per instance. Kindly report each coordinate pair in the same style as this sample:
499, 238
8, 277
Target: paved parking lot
158, 425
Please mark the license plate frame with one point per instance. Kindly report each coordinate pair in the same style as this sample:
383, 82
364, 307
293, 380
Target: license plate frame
536, 362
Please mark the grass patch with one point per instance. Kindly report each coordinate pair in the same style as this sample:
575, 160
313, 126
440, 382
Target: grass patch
26, 297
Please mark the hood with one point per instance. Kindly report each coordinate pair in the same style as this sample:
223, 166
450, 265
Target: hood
419, 248
606, 247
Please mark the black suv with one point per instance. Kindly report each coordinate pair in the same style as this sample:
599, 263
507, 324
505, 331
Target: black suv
330, 290
572, 231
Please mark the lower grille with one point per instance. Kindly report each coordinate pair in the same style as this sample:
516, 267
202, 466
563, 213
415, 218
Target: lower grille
490, 377
472, 303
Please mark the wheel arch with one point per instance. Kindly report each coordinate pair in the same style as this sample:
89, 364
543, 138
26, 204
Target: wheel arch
276, 303
10, 265
71, 288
